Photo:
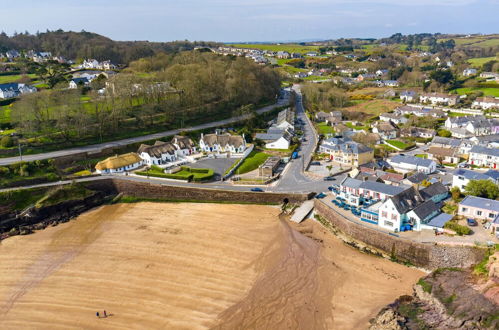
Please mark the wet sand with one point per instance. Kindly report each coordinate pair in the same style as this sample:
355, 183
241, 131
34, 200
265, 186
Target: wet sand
191, 266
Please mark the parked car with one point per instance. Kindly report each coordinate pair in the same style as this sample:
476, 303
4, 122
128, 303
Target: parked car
315, 163
472, 222
329, 178
320, 195
257, 189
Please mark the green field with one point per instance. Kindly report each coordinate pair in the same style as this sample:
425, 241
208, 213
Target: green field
479, 61
252, 162
185, 173
486, 91
352, 126
324, 128
14, 78
5, 114
398, 144
290, 48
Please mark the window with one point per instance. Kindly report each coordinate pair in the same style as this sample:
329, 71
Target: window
478, 212
394, 216
464, 209
388, 223
491, 215
384, 214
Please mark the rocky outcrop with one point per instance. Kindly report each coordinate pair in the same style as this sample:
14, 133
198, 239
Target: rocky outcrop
445, 299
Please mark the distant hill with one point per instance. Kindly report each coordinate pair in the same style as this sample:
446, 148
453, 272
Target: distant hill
80, 45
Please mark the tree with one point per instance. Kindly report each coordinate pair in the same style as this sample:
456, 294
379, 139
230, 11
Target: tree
442, 76
455, 193
444, 133
482, 188
6, 141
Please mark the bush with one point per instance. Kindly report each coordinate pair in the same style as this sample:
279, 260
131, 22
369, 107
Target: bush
7, 141
459, 229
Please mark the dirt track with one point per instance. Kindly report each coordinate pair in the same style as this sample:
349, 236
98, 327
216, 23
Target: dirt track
191, 266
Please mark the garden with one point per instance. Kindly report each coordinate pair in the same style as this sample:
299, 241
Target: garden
185, 173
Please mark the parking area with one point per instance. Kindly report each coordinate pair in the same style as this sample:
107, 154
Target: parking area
323, 168
218, 165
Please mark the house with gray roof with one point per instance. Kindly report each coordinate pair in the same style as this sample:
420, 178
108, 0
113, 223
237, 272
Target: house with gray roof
355, 190
346, 152
443, 142
461, 177
481, 209
483, 156
406, 164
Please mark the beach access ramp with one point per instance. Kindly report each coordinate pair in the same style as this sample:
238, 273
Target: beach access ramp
303, 211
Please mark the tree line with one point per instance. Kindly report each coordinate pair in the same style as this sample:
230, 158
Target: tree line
82, 45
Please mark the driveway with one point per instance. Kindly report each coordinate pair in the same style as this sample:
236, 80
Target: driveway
219, 165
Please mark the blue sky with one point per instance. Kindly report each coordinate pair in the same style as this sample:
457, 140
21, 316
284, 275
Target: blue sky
256, 20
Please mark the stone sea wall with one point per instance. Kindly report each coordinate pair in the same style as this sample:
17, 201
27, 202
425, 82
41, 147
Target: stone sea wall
428, 256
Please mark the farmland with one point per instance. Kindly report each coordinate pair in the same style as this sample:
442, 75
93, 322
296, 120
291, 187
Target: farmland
479, 61
374, 107
14, 78
486, 91
290, 48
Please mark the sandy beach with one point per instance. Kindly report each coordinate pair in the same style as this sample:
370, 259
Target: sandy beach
191, 266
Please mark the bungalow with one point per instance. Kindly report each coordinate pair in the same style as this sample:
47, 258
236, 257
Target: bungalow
443, 155
78, 82
408, 96
486, 103
406, 164
158, 154
330, 118
490, 76
439, 98
386, 130
283, 54
119, 163
389, 83
393, 117
469, 72
419, 112
419, 132
444, 142
381, 72
222, 143
483, 156
346, 152
461, 177
479, 208
275, 138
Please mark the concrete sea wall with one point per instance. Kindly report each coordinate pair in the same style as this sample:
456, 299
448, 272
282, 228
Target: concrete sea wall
426, 255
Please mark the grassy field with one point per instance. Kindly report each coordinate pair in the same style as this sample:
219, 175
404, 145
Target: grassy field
374, 107
324, 128
14, 78
252, 162
486, 91
352, 126
456, 114
398, 144
479, 61
5, 114
290, 48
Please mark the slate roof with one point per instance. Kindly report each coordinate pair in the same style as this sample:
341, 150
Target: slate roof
446, 141
433, 190
418, 177
492, 174
382, 188
346, 145
399, 159
470, 175
444, 152
351, 183
479, 202
406, 200
485, 151
424, 210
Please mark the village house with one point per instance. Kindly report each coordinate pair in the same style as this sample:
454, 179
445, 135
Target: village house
439, 98
490, 76
275, 138
419, 112
469, 72
388, 83
282, 54
461, 177
386, 130
381, 72
406, 164
393, 117
119, 164
444, 155
356, 191
78, 82
490, 141
483, 156
439, 141
14, 90
479, 208
346, 152
286, 119
486, 103
418, 132
408, 96
222, 143
158, 154
331, 118
184, 146
415, 179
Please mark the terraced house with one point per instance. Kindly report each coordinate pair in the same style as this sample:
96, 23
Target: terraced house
225, 143
346, 152
483, 156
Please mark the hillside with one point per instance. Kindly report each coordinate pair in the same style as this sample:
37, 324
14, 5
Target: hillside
79, 45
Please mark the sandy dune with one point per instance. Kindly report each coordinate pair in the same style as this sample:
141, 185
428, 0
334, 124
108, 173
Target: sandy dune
191, 266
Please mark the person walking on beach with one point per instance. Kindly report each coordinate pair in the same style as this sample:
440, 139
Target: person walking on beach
97, 314
105, 314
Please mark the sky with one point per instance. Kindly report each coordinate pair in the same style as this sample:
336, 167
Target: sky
255, 20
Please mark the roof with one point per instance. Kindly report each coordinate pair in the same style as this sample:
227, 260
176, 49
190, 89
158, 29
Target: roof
223, 140
444, 152
399, 159
433, 190
424, 210
470, 175
184, 142
492, 174
351, 183
387, 176
418, 177
382, 188
346, 145
440, 220
406, 200
385, 127
159, 148
269, 136
446, 141
485, 151
482, 203
118, 161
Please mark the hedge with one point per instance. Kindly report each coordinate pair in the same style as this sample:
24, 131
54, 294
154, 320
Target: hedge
459, 229
189, 174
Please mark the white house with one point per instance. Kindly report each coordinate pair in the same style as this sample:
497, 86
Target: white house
393, 117
77, 82
184, 146
461, 177
119, 163
405, 164
408, 96
469, 72
13, 90
222, 143
483, 156
486, 103
158, 154
275, 138
439, 98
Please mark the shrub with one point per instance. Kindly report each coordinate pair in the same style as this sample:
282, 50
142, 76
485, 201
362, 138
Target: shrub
427, 287
6, 141
459, 229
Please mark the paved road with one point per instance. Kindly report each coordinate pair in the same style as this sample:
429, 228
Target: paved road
293, 179
98, 147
